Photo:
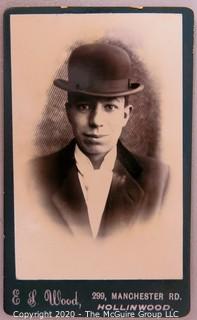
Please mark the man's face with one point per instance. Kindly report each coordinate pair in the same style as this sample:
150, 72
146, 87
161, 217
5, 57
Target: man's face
97, 122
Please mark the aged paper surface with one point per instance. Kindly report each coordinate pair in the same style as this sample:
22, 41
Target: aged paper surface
44, 250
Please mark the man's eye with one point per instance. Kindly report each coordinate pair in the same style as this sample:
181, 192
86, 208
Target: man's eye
83, 107
110, 107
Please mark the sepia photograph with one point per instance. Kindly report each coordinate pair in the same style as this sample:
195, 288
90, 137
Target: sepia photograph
97, 118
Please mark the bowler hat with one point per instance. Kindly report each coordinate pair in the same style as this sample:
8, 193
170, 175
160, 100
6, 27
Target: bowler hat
99, 69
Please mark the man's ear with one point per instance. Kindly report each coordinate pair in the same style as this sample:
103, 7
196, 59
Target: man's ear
67, 107
127, 112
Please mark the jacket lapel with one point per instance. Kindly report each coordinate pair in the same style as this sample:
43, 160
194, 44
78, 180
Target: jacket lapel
124, 197
69, 198
125, 194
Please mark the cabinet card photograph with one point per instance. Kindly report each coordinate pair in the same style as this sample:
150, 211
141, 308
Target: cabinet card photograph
97, 142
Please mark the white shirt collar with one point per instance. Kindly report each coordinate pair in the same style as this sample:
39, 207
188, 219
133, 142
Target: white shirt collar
91, 181
84, 165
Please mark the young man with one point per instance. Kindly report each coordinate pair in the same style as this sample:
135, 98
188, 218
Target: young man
95, 183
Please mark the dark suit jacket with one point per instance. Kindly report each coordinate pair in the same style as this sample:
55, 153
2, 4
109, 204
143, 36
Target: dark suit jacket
137, 189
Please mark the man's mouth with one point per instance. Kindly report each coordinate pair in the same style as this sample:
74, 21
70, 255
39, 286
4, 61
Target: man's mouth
95, 139
94, 136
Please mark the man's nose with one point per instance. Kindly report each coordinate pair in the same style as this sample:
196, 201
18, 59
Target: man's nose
97, 116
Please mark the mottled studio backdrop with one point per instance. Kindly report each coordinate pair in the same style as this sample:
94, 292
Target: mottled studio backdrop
142, 133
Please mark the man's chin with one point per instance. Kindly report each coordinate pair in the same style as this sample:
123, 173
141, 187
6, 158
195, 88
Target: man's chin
96, 150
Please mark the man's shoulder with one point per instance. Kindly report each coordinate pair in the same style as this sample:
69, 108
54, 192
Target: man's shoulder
62, 155
152, 165
150, 174
50, 168
140, 164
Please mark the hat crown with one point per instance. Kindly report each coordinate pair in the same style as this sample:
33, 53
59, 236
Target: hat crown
95, 62
100, 69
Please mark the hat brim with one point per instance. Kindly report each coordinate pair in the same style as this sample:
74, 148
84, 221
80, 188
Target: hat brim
65, 85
